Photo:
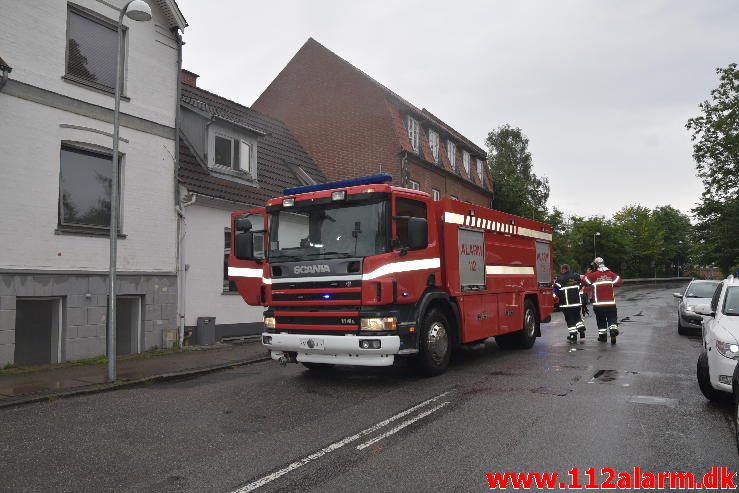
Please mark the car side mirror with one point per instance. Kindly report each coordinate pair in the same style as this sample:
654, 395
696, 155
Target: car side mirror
244, 246
704, 310
677, 295
418, 233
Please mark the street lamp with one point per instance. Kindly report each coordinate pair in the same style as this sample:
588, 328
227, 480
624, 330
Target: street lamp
597, 233
136, 10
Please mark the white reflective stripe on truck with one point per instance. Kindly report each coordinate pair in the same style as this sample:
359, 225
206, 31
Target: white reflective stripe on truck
408, 266
508, 270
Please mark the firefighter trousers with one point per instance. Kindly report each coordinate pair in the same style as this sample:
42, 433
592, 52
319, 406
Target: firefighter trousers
607, 318
573, 317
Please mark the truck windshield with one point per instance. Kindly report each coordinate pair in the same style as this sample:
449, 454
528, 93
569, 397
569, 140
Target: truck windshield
338, 229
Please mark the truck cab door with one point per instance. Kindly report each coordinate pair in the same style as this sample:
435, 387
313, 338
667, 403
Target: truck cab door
247, 273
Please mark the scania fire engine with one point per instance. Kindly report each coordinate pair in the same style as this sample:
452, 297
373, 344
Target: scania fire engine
359, 272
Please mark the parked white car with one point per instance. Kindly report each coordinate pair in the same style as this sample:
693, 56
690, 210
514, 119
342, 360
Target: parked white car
720, 353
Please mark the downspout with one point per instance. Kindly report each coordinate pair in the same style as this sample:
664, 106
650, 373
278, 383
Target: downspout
179, 254
403, 168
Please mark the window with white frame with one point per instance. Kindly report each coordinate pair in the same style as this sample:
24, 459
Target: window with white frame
434, 144
232, 152
413, 133
91, 49
480, 167
451, 150
86, 178
414, 185
466, 162
435, 194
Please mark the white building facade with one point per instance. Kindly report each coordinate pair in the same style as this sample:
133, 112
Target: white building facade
56, 162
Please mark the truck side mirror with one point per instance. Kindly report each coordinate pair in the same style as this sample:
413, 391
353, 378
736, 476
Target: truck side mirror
244, 245
418, 233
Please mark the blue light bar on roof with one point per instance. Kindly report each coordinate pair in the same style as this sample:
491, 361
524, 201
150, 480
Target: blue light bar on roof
365, 180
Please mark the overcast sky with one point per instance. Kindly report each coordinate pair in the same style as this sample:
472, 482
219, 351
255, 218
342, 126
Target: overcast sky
601, 88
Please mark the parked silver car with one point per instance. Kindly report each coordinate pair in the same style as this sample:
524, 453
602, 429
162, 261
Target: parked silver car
697, 293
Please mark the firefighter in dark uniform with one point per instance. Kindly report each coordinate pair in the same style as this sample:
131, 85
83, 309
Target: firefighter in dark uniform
603, 282
567, 288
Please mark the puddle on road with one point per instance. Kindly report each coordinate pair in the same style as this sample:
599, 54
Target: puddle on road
613, 377
653, 400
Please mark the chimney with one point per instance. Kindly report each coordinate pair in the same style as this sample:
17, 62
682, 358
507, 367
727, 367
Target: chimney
189, 78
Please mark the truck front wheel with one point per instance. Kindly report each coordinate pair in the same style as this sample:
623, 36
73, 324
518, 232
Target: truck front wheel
435, 346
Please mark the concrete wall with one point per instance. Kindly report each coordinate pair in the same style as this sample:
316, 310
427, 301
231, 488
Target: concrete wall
84, 302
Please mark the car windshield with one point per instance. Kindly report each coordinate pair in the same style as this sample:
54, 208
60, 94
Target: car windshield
702, 289
731, 303
334, 230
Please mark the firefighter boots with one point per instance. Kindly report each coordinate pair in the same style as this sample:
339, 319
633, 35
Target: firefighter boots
572, 336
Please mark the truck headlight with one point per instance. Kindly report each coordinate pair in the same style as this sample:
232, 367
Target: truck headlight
379, 323
269, 322
728, 349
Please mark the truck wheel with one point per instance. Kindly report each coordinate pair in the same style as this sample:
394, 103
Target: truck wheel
435, 345
704, 381
524, 338
319, 367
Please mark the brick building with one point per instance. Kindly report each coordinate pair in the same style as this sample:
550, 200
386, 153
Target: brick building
351, 125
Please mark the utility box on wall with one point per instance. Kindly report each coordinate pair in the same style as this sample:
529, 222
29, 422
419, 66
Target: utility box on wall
205, 332
169, 338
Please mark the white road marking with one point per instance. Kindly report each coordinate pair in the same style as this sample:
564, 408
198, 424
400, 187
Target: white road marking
400, 427
334, 446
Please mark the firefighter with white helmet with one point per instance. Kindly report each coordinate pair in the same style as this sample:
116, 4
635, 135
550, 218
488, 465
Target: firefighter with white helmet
602, 282
567, 288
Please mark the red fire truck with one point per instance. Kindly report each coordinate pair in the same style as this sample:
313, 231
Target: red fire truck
359, 272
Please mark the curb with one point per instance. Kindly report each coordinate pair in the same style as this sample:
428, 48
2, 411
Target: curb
105, 387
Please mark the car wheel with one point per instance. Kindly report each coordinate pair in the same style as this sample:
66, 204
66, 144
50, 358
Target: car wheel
435, 345
704, 381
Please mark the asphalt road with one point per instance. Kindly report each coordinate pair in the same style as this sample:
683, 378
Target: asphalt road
551, 408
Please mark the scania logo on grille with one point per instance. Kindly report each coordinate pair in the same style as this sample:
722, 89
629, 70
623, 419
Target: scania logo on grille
311, 269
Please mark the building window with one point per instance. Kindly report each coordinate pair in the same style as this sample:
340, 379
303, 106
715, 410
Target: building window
232, 153
434, 145
466, 163
435, 194
480, 165
414, 185
451, 151
85, 188
229, 153
413, 133
91, 50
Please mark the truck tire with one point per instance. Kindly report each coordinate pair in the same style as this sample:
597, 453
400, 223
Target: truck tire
704, 381
434, 345
524, 338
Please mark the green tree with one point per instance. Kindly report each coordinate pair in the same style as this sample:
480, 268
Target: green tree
643, 238
518, 190
677, 235
715, 134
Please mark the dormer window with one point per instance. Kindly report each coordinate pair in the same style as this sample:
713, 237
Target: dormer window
231, 151
413, 133
480, 165
466, 163
434, 145
451, 151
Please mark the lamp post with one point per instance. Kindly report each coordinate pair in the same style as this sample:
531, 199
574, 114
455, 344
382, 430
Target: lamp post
136, 10
597, 233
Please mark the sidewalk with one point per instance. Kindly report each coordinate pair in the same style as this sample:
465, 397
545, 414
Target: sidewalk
66, 380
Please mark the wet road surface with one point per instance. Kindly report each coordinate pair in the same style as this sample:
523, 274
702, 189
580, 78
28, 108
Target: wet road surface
267, 428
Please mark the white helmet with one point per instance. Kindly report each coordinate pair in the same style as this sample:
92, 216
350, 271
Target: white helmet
598, 261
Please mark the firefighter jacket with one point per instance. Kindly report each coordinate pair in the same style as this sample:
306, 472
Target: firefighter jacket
567, 288
602, 283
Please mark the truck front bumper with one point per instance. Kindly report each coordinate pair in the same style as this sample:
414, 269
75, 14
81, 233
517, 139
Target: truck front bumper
337, 350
